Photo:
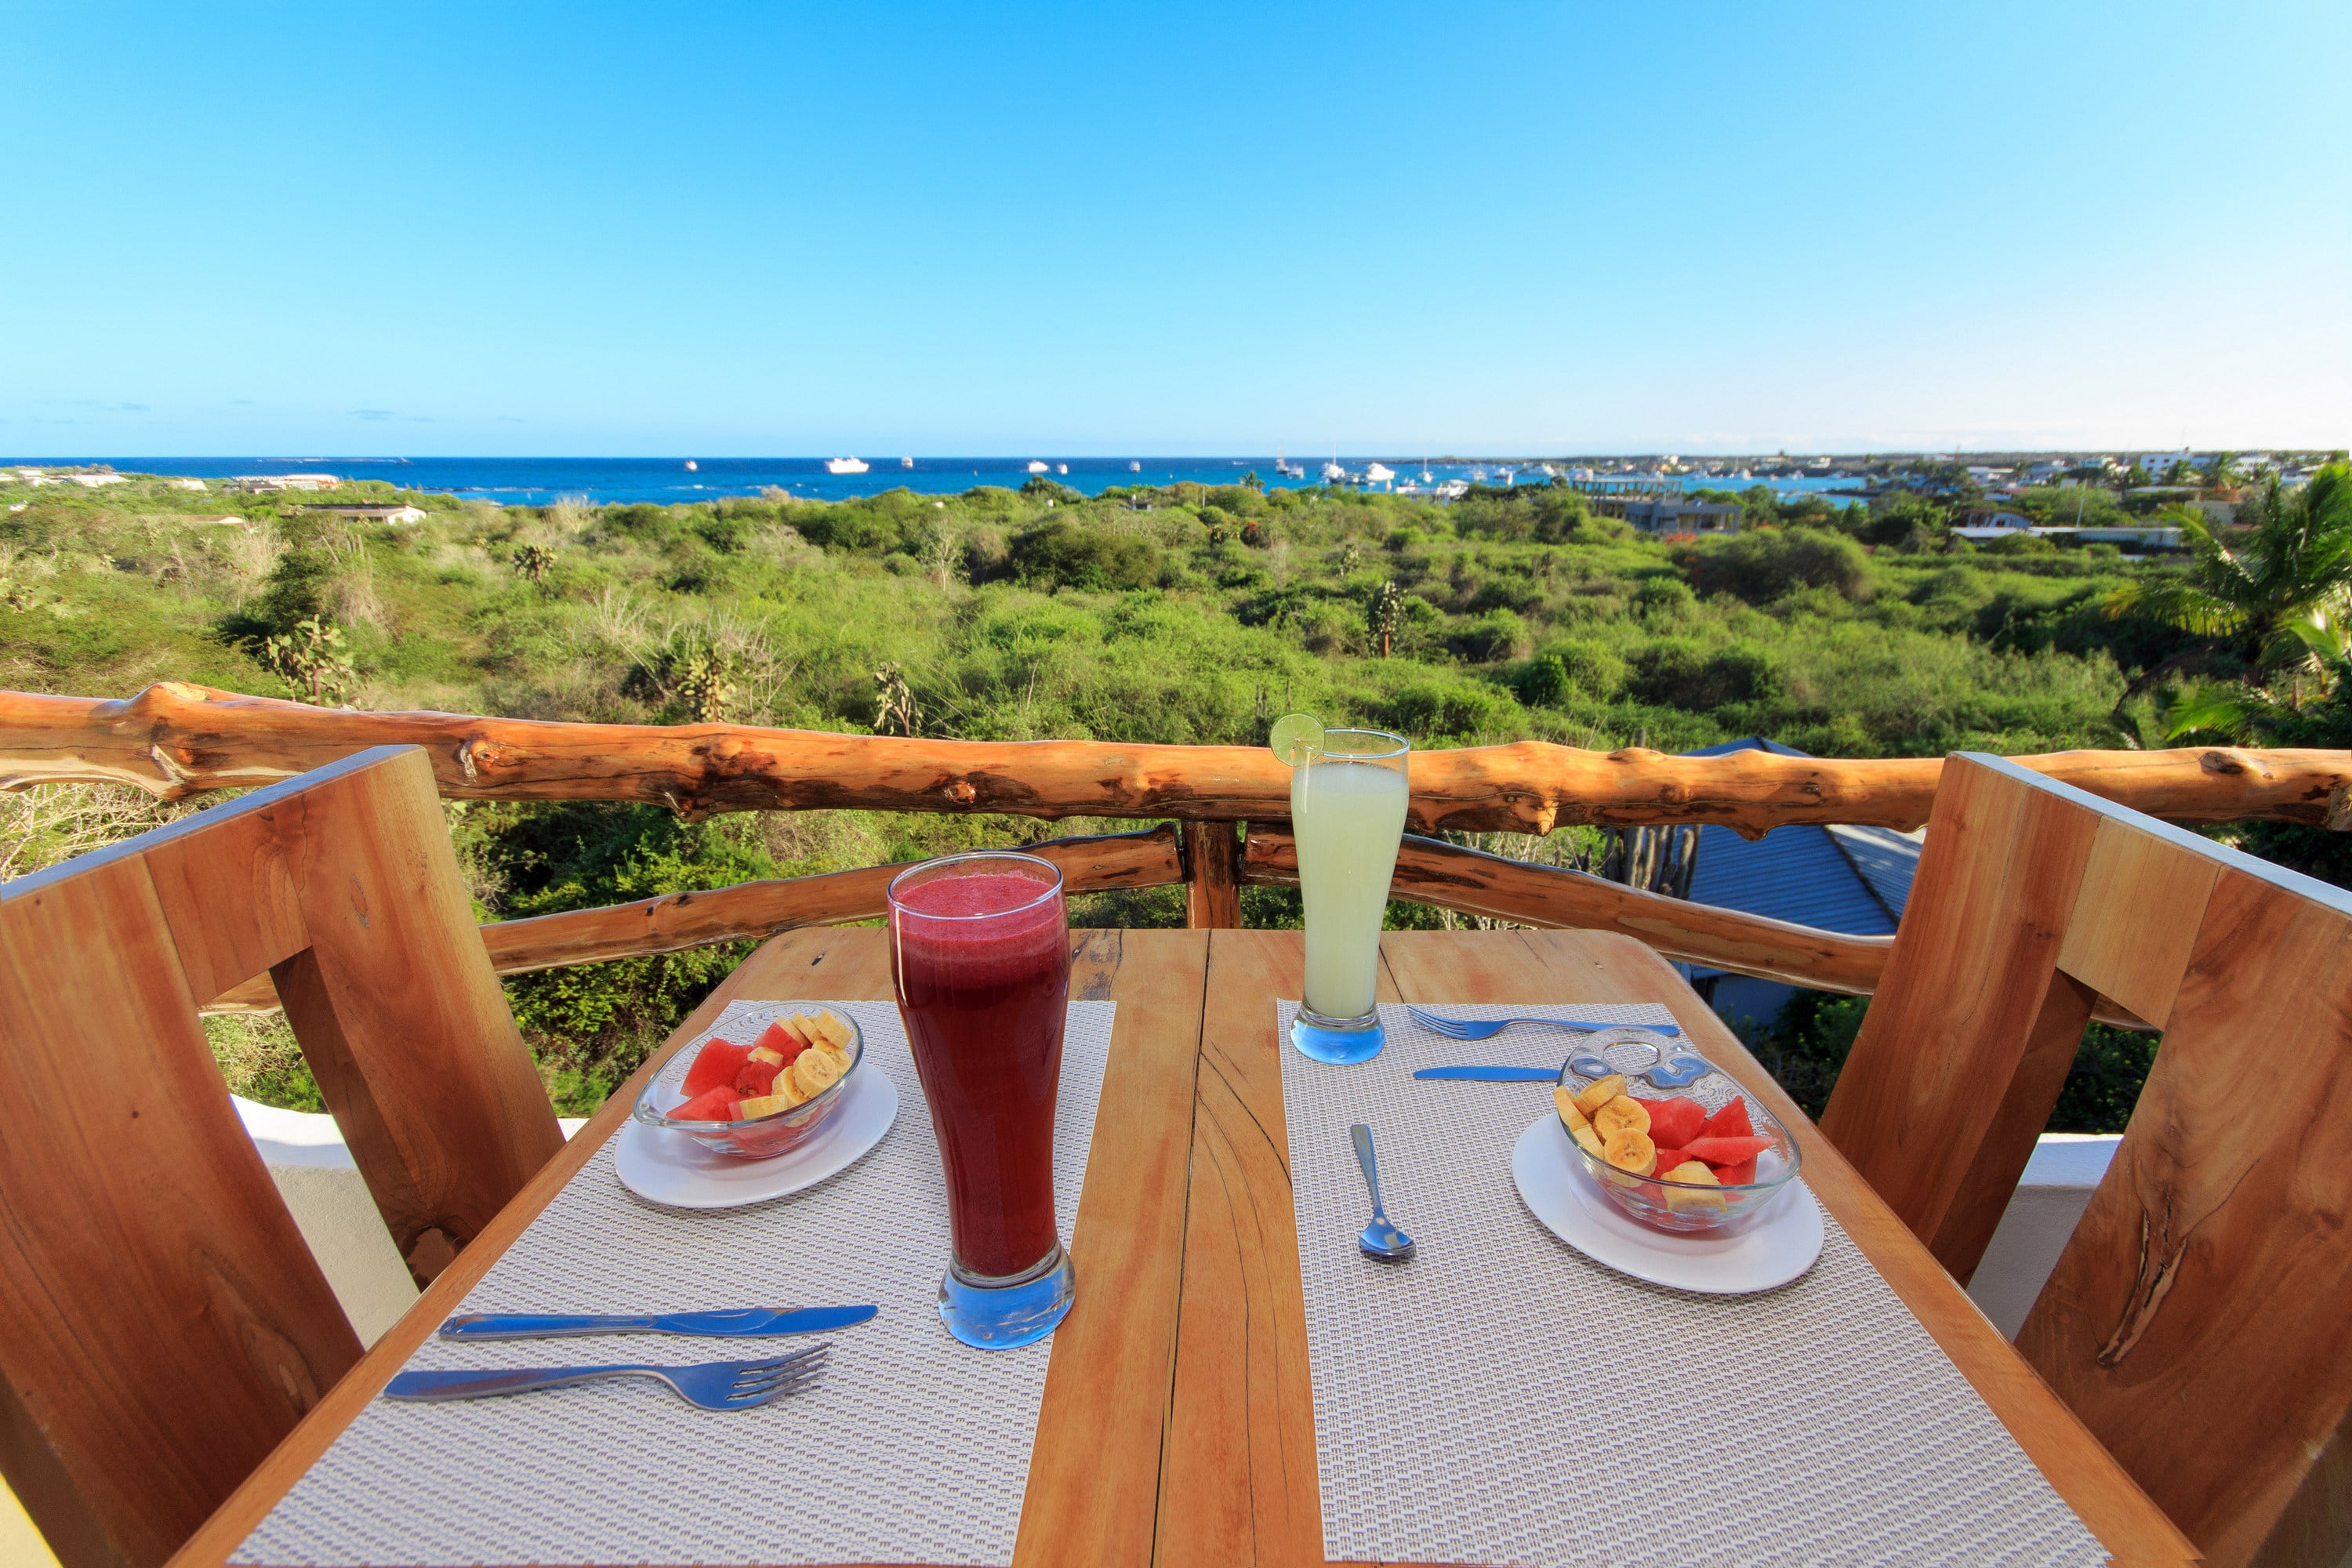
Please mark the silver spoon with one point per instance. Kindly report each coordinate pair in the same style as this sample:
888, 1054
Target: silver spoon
1380, 1239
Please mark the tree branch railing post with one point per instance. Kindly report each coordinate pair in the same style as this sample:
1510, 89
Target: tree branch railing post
1212, 875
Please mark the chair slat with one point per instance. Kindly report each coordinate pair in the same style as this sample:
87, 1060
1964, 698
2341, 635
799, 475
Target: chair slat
1935, 1070
162, 1324
2194, 1322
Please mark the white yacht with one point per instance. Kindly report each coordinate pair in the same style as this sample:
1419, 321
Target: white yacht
905, 462
1061, 467
1135, 467
1333, 473
691, 466
844, 465
1035, 467
1289, 470
1379, 474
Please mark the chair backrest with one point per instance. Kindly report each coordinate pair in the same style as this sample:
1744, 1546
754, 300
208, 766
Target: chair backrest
161, 1323
2196, 1320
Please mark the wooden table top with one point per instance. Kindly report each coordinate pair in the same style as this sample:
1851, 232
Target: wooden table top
1181, 1375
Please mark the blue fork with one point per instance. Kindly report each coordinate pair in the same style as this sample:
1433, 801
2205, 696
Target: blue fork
1488, 1028
713, 1385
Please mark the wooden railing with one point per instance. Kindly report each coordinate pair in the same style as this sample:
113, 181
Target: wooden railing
1233, 802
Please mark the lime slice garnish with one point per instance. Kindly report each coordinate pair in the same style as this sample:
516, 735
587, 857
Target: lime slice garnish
1297, 737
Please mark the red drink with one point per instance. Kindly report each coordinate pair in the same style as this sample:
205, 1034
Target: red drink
980, 953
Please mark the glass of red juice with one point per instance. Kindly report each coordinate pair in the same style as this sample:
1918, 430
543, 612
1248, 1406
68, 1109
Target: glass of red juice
980, 955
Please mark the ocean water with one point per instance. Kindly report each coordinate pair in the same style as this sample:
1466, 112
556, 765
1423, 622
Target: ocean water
536, 481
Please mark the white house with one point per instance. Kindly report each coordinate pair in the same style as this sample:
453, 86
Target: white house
94, 481
187, 484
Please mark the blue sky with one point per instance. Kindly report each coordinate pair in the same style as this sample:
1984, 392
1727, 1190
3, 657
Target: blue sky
766, 229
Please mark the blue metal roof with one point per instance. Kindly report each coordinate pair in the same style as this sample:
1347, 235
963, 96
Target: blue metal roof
1839, 879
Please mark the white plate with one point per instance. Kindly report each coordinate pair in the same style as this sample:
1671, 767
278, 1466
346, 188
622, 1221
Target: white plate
674, 1171
1776, 1247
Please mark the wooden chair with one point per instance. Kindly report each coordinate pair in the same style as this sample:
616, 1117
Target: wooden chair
161, 1323
2197, 1320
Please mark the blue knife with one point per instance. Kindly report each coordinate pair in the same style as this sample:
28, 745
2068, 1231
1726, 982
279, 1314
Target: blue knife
722, 1325
1491, 1075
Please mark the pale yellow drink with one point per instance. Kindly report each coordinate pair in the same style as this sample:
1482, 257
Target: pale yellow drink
1347, 818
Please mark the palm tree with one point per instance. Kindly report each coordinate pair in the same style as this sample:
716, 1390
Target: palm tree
2280, 600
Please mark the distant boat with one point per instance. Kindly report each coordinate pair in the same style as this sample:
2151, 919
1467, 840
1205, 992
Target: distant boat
1062, 468
905, 462
844, 465
1379, 474
1427, 477
1035, 467
1478, 476
1135, 467
1333, 473
691, 466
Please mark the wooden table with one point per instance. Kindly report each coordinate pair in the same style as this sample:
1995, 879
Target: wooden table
1178, 1424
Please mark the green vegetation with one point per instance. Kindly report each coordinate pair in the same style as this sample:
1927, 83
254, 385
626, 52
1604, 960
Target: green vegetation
1178, 615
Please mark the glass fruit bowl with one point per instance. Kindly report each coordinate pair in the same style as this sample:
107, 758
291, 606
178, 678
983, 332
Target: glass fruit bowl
1683, 1207
761, 1137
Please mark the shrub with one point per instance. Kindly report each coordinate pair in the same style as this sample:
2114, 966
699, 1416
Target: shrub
1490, 639
1679, 674
1762, 567
1428, 710
1064, 555
1663, 596
1545, 682
1593, 669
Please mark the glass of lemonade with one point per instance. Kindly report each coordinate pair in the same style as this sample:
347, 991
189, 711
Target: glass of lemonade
980, 949
1348, 800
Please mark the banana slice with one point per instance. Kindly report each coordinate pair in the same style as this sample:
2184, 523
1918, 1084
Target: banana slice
1600, 1092
1569, 1111
816, 1069
1622, 1114
1590, 1139
1700, 1178
1632, 1152
828, 1029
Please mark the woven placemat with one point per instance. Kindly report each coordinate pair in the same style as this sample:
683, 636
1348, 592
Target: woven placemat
1502, 1398
911, 1448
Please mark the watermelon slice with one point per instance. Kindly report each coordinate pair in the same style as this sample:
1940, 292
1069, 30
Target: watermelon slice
1669, 1158
716, 1065
1731, 1121
1740, 1175
1675, 1122
1726, 1151
782, 1041
714, 1104
757, 1078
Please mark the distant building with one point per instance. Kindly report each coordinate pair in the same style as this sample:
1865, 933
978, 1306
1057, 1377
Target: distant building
1984, 518
1672, 514
265, 482
187, 484
394, 516
95, 481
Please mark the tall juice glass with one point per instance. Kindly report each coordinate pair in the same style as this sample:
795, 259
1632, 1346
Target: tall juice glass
1347, 813
980, 955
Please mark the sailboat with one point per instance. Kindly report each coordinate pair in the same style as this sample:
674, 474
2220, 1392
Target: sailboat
1035, 467
844, 465
905, 462
691, 466
1333, 473
1289, 470
1062, 467
1135, 467
1379, 474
